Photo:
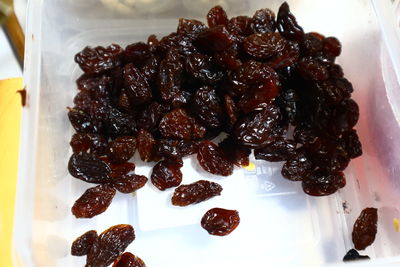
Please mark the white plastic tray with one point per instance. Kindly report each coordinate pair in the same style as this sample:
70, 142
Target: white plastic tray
280, 225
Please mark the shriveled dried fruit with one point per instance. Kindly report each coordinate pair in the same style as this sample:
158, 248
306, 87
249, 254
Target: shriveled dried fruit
128, 260
297, 167
213, 160
151, 116
146, 146
240, 26
167, 174
171, 148
287, 24
129, 183
121, 149
84, 243
351, 144
257, 129
206, 106
215, 39
264, 45
94, 201
190, 26
365, 228
88, 168
353, 255
322, 183
137, 53
179, 125
98, 59
217, 16
196, 192
220, 222
136, 86
110, 244
201, 67
235, 153
264, 21
278, 150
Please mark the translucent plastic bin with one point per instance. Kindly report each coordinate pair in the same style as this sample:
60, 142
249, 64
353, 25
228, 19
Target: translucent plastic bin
280, 225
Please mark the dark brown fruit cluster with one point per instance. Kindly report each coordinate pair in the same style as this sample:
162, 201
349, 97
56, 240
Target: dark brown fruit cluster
106, 248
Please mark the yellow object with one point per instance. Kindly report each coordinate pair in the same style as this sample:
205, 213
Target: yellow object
396, 224
250, 167
10, 116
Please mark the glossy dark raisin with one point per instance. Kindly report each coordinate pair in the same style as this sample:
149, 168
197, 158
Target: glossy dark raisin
128, 260
137, 53
196, 192
213, 160
119, 124
119, 170
146, 146
264, 21
227, 59
304, 135
151, 116
94, 201
81, 121
206, 105
332, 46
287, 24
312, 69
322, 183
288, 102
167, 174
214, 39
312, 44
240, 26
220, 222
179, 125
279, 150
98, 59
88, 168
109, 245
256, 130
136, 86
286, 57
202, 68
98, 86
190, 26
217, 16
297, 167
351, 144
83, 244
121, 149
150, 68
264, 45
365, 228
235, 153
231, 110
353, 255
328, 155
80, 143
345, 116
171, 148
129, 183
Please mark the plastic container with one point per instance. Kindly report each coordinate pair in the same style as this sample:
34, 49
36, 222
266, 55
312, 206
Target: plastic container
280, 225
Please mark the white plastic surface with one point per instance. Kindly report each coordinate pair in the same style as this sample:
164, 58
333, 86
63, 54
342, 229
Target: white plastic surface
280, 225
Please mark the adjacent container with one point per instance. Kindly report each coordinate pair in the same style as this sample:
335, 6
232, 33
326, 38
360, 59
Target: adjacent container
280, 225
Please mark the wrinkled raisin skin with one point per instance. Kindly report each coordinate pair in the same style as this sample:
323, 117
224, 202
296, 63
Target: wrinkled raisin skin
109, 245
323, 183
94, 201
121, 149
88, 168
213, 160
98, 59
365, 228
83, 244
128, 260
129, 183
220, 222
167, 174
196, 192
279, 150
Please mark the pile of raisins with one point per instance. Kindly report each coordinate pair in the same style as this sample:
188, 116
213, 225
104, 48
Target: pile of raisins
256, 79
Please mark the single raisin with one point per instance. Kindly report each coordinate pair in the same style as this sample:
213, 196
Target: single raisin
83, 244
286, 57
146, 146
190, 26
179, 125
217, 16
304, 135
214, 39
240, 26
109, 245
322, 183
287, 24
99, 59
167, 174
196, 192
121, 149
257, 129
137, 53
264, 45
365, 228
353, 255
136, 86
264, 21
129, 183
278, 150
151, 116
351, 144
220, 222
88, 168
312, 69
213, 160
297, 167
171, 148
94, 201
332, 46
202, 68
234, 152
118, 170
128, 260
206, 106
80, 142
